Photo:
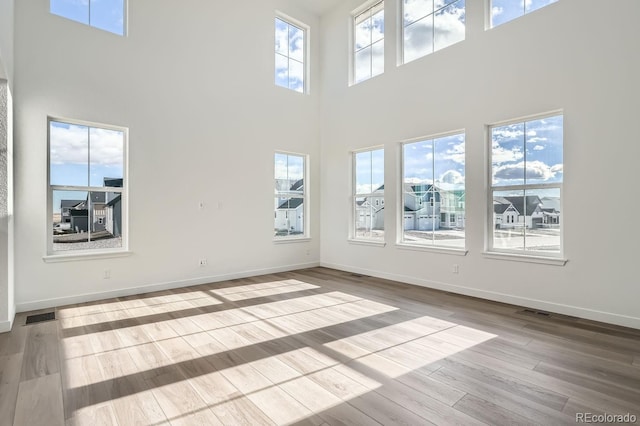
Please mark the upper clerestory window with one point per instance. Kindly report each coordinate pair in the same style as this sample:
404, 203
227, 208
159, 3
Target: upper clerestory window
507, 10
108, 15
368, 42
291, 54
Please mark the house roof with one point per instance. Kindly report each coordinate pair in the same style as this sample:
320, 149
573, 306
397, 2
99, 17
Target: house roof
70, 203
500, 208
113, 182
115, 200
291, 203
532, 203
98, 197
297, 185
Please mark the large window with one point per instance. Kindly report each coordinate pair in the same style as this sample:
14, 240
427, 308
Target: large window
430, 25
290, 196
368, 43
368, 195
433, 192
87, 196
507, 10
108, 15
526, 186
290, 54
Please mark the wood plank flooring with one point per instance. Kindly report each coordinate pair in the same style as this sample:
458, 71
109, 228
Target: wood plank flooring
316, 347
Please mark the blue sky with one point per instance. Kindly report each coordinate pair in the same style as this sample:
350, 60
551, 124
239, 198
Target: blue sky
107, 15
83, 156
369, 166
530, 151
289, 58
369, 43
506, 10
448, 171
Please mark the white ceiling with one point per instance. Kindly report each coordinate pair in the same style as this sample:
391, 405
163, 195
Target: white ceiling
319, 7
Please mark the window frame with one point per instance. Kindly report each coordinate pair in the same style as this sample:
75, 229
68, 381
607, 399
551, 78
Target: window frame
52, 255
400, 242
364, 8
354, 196
305, 236
306, 58
125, 18
402, 27
534, 256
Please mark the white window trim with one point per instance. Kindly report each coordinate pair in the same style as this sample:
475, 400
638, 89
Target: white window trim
352, 199
532, 256
352, 39
306, 236
306, 89
400, 243
64, 256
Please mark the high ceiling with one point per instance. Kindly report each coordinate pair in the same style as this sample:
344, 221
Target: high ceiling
319, 7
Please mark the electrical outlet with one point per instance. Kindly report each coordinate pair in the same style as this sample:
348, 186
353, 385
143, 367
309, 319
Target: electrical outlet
202, 262
455, 268
107, 274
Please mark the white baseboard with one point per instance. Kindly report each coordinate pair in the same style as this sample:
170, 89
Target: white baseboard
147, 288
576, 311
5, 326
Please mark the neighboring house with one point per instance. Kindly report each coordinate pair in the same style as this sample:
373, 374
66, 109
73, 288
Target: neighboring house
505, 215
65, 207
518, 212
421, 207
370, 211
290, 211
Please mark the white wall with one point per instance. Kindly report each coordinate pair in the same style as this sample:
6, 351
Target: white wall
573, 55
194, 84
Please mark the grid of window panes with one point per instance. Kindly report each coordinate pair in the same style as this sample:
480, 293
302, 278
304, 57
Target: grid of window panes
289, 206
431, 25
108, 15
526, 186
368, 33
368, 195
433, 192
507, 10
86, 186
290, 56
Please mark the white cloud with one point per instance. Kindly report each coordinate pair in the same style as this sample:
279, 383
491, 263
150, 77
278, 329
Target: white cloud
535, 170
538, 148
455, 153
69, 146
536, 139
496, 11
502, 155
452, 177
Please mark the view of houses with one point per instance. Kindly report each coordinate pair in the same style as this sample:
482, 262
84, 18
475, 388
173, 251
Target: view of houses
289, 207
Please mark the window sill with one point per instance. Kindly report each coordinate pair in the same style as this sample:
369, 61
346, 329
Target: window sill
555, 261
364, 242
55, 258
291, 240
441, 250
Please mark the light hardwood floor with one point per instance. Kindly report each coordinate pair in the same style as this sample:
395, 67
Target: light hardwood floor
317, 347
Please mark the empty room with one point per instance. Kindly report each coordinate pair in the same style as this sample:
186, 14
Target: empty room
322, 212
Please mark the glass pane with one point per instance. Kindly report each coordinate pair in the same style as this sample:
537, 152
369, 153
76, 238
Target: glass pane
69, 154
296, 168
449, 25
542, 218
377, 171
377, 58
296, 76
363, 173
439, 4
289, 217
71, 9
85, 223
507, 154
377, 26
418, 39
544, 150
418, 165
505, 10
363, 34
369, 217
296, 43
106, 153
282, 37
416, 9
531, 5
107, 15
282, 71
363, 65
289, 174
508, 220
281, 173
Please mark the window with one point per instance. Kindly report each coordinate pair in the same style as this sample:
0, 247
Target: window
507, 10
526, 186
368, 195
108, 15
290, 54
433, 188
430, 25
368, 43
87, 187
290, 196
